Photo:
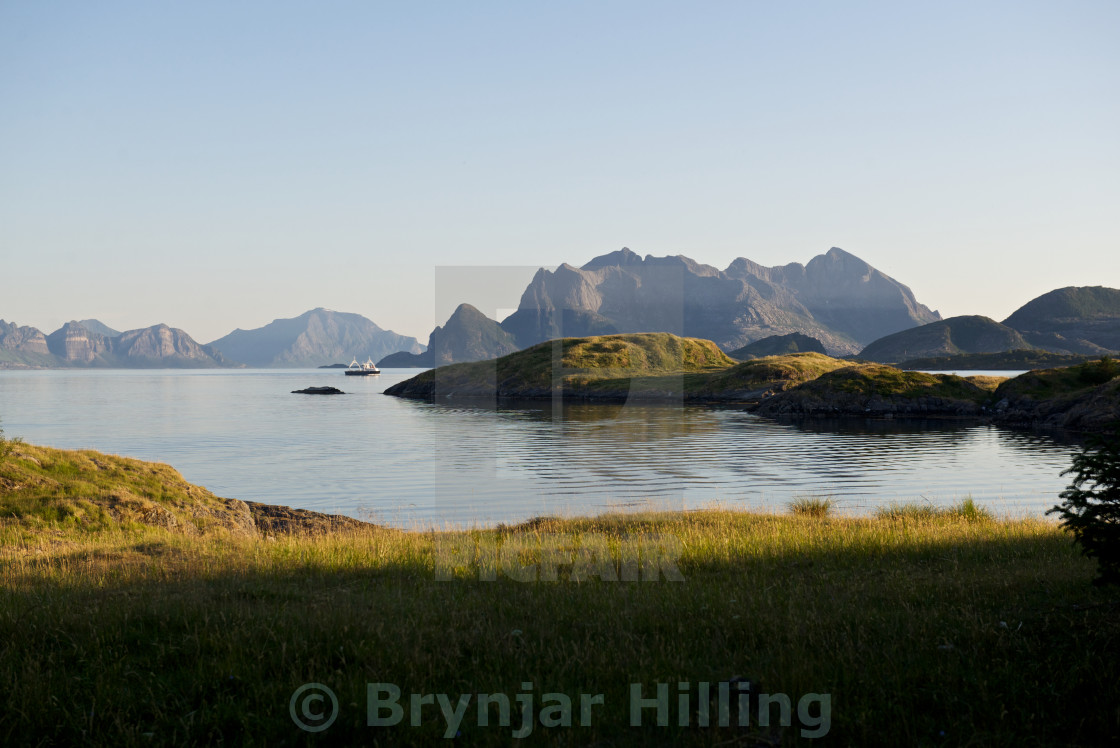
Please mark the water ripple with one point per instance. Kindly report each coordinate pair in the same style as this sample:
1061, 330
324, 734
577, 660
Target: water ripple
241, 433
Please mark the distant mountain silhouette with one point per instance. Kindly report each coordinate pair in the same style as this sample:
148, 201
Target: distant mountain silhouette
468, 335
162, 344
837, 298
317, 337
23, 346
778, 345
74, 344
99, 327
966, 334
1075, 319
1067, 321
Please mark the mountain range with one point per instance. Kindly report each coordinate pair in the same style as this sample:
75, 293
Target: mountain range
835, 302
76, 344
315, 337
836, 298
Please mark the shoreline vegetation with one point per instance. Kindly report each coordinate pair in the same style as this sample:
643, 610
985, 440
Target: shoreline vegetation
664, 367
139, 609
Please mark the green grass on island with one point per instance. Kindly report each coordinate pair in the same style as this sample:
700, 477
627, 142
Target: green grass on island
136, 609
618, 366
886, 381
1062, 382
659, 366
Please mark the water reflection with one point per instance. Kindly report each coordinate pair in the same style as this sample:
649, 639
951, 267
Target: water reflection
570, 454
243, 434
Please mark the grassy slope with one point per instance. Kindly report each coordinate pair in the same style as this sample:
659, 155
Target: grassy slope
86, 491
887, 381
878, 388
579, 362
1082, 398
44, 487
1060, 383
925, 630
773, 373
620, 365
660, 366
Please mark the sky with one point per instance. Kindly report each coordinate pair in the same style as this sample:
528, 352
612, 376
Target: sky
214, 165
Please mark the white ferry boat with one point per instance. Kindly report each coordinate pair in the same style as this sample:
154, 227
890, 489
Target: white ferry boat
362, 370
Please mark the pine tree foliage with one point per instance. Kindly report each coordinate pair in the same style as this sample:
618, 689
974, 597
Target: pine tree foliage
1091, 506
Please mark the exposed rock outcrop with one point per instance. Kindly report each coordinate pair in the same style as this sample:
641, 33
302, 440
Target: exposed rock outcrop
836, 298
23, 346
74, 343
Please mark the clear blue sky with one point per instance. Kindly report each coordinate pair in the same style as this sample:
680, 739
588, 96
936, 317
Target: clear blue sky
215, 165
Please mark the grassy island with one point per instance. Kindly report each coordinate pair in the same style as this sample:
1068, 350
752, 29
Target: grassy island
619, 367
137, 609
660, 366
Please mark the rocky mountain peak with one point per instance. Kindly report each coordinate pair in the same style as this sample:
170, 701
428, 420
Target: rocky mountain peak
620, 258
837, 298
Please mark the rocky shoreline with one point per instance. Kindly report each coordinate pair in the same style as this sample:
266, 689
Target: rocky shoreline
1082, 398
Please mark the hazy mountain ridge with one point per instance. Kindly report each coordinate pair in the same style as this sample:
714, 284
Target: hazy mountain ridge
25, 339
74, 344
316, 337
99, 327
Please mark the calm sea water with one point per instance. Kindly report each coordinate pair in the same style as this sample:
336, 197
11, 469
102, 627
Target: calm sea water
242, 434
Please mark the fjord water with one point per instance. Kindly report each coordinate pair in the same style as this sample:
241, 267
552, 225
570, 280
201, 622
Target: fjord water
242, 434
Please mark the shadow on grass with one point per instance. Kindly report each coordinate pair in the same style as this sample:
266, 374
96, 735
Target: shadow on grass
921, 634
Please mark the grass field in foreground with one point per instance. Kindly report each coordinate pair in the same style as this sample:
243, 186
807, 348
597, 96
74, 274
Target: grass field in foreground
924, 630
